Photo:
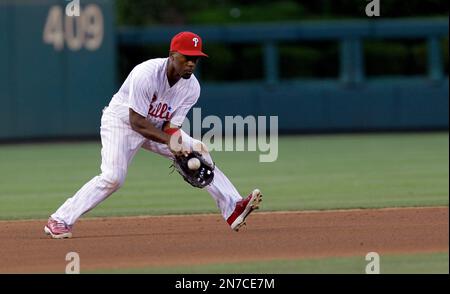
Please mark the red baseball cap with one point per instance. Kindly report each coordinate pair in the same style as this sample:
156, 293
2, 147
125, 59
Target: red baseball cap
187, 43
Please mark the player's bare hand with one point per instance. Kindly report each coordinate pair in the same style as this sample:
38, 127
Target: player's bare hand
178, 146
199, 146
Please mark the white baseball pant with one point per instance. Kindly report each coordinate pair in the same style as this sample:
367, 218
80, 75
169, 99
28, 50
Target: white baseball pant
119, 145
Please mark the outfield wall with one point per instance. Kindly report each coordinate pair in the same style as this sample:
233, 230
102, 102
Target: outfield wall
58, 72
331, 106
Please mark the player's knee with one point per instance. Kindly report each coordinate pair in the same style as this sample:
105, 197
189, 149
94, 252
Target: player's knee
113, 181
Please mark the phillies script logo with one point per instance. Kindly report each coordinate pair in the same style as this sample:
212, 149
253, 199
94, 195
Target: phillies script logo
161, 110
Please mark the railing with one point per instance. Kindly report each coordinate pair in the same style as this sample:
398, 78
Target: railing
349, 33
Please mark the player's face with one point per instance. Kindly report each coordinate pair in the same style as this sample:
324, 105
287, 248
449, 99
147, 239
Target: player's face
184, 65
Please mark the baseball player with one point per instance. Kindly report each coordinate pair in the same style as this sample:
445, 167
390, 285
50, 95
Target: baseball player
147, 112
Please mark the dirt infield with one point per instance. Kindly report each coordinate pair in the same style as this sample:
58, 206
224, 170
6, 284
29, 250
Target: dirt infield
200, 239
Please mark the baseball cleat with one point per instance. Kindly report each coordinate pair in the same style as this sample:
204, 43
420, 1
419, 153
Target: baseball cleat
243, 209
57, 230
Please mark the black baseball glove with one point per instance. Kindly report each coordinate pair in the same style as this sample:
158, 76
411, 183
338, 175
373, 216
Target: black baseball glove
200, 177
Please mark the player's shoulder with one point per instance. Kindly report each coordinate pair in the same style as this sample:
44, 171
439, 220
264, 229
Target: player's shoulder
150, 67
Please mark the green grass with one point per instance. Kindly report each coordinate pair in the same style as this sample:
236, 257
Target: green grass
312, 172
432, 263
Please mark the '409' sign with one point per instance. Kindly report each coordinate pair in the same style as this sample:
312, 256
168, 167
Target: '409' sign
83, 28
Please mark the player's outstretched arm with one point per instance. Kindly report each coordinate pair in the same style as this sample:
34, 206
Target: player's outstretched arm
168, 136
145, 128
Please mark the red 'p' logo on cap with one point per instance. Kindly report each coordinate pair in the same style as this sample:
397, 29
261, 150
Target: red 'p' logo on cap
187, 43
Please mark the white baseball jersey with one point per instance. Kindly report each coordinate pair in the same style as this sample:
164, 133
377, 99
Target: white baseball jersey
146, 90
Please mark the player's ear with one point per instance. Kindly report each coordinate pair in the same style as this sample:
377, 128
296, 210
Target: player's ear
172, 56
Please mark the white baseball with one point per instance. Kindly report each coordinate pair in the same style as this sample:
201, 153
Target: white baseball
194, 163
